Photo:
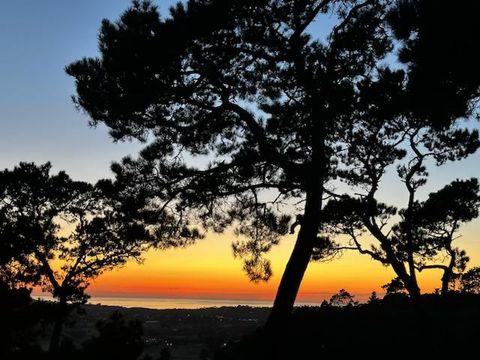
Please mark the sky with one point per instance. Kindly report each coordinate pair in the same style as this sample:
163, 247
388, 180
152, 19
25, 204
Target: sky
39, 123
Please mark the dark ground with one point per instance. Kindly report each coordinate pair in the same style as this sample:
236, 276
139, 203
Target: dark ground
435, 328
184, 332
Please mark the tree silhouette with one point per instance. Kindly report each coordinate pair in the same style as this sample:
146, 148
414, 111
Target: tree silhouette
14, 270
373, 298
342, 299
117, 339
470, 281
65, 232
248, 115
395, 286
437, 221
427, 229
439, 45
18, 330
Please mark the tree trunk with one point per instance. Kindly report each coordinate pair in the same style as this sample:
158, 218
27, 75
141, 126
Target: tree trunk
58, 326
412, 287
445, 283
398, 266
298, 262
448, 272
411, 284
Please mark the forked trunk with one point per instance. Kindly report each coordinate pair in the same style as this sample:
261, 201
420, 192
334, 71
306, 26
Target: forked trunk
413, 289
398, 266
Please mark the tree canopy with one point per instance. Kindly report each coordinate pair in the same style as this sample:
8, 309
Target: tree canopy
62, 233
49, 218
249, 118
409, 239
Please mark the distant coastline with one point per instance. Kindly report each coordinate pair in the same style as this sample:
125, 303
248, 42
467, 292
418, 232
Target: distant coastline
169, 303
164, 303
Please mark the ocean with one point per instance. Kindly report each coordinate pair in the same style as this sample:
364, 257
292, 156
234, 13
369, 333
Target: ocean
164, 303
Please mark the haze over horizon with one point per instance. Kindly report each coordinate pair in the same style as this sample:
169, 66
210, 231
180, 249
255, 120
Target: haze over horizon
40, 123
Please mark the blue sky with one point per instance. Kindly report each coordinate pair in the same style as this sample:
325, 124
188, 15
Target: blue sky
38, 121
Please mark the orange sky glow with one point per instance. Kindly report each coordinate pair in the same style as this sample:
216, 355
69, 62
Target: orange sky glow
208, 270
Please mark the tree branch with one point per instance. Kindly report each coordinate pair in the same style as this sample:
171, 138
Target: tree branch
431, 266
363, 251
350, 15
311, 16
258, 132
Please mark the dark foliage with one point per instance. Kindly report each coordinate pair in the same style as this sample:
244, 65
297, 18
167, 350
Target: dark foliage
420, 236
19, 326
469, 281
439, 45
373, 330
117, 339
61, 233
249, 118
342, 298
40, 210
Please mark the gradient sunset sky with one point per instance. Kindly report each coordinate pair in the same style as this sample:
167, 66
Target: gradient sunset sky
38, 122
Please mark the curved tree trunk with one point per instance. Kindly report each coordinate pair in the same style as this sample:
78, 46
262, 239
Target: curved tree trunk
398, 266
298, 262
448, 272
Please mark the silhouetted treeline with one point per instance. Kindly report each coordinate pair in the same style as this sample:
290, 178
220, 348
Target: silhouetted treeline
350, 328
19, 324
131, 334
25, 323
388, 328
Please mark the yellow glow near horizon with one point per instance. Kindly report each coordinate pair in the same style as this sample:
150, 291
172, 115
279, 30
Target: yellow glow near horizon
208, 270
